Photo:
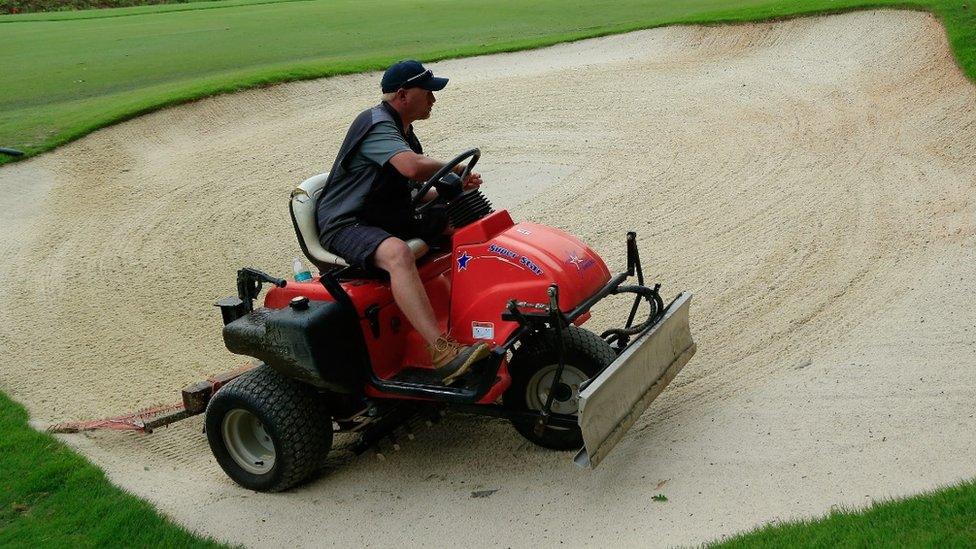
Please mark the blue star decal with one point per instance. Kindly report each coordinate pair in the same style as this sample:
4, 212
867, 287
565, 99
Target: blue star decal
463, 261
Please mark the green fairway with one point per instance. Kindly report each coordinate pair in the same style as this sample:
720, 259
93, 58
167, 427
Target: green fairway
66, 74
51, 497
944, 518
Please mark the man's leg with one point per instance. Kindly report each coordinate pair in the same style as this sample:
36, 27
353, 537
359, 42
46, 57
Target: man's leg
447, 356
395, 257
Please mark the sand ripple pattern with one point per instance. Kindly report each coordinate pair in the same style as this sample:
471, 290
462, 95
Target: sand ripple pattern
811, 181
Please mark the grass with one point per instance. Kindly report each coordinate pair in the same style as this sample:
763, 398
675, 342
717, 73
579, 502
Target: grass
78, 71
943, 518
52, 497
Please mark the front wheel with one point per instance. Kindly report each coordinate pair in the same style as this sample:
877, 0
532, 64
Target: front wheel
268, 432
533, 368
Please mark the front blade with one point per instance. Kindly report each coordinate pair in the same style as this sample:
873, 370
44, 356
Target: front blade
612, 401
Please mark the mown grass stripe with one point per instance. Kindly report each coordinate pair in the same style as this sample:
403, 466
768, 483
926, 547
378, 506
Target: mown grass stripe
131, 11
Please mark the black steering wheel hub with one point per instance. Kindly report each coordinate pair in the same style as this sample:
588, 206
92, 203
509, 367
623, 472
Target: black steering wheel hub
443, 177
463, 207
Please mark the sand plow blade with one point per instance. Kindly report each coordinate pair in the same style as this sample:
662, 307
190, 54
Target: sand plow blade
611, 402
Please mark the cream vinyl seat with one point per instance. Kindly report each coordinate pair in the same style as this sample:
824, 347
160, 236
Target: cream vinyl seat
302, 208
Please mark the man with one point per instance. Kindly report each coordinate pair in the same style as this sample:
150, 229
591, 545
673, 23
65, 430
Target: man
365, 213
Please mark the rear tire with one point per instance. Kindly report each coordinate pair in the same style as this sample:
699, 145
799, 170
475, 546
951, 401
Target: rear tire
268, 432
532, 367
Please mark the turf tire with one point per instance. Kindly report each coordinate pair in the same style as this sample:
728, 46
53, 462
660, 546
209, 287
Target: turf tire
292, 414
583, 350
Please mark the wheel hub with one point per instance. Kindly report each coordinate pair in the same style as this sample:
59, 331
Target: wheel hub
563, 392
565, 399
247, 442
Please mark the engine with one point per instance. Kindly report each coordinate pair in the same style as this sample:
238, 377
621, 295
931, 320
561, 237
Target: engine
467, 208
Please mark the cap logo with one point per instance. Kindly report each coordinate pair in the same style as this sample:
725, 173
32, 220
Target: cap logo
424, 73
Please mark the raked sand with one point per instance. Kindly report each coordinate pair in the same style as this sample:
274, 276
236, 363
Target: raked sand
811, 181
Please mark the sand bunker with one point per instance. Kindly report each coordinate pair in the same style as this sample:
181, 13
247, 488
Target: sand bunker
812, 182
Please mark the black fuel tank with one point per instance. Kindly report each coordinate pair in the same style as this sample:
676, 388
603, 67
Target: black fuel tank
316, 342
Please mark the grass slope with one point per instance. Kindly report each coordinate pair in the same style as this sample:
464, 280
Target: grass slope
944, 518
67, 74
52, 497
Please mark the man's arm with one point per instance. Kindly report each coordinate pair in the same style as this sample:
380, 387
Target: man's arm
419, 167
384, 144
415, 166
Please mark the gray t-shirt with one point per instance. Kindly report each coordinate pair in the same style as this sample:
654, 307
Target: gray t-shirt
380, 145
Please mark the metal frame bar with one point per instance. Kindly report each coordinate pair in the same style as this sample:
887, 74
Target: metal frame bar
557, 321
494, 410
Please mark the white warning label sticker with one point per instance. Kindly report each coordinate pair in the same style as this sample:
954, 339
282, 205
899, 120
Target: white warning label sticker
482, 330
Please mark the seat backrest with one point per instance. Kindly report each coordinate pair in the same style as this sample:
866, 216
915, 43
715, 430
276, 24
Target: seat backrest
302, 208
303, 216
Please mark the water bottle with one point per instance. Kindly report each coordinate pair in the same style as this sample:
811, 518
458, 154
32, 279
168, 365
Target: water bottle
301, 273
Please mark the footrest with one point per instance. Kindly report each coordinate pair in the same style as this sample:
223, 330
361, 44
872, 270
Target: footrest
430, 378
427, 384
418, 376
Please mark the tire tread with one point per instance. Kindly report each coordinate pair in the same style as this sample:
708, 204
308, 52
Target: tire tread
294, 412
583, 349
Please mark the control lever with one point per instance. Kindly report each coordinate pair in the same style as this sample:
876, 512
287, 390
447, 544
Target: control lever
249, 281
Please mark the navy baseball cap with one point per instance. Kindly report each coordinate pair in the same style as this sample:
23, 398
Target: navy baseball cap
410, 74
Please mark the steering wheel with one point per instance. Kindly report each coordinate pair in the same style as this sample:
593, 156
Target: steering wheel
443, 176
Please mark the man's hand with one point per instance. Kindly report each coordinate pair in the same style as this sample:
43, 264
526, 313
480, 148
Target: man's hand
473, 181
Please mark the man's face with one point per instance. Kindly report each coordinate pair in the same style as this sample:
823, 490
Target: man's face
418, 102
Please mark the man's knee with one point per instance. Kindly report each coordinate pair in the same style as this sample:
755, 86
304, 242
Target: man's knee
393, 254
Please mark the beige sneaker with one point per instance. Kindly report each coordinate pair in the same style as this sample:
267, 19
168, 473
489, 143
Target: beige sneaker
452, 360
